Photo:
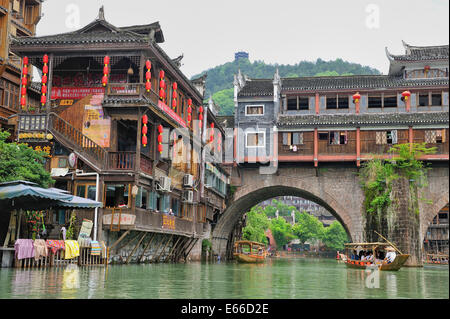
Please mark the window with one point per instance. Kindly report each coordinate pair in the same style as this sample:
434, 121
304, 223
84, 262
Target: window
323, 136
338, 138
435, 136
436, 99
295, 138
86, 191
254, 110
375, 101
152, 201
423, 99
389, 100
63, 162
292, 104
116, 195
386, 137
337, 102
303, 103
255, 139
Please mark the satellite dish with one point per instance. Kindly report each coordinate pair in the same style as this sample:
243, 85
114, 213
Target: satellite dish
72, 160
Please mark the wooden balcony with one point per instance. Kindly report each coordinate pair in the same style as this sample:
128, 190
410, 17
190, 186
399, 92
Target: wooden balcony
122, 160
151, 221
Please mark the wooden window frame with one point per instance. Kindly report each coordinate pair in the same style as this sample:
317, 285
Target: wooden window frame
254, 105
257, 146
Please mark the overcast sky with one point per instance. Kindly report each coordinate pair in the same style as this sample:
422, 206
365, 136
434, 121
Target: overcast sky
209, 32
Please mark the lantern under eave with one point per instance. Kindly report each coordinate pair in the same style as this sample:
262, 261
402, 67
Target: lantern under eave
405, 95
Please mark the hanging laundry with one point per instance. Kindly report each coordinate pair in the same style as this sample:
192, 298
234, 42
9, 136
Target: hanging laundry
72, 249
96, 249
24, 248
40, 249
55, 245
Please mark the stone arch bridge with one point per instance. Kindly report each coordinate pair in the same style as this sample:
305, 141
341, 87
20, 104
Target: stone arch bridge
335, 188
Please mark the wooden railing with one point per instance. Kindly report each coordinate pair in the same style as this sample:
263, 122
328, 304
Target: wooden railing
121, 160
82, 142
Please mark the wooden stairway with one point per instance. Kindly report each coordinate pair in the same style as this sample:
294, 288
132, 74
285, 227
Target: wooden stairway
73, 139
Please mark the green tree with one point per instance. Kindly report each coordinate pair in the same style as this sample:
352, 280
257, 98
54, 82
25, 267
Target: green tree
281, 231
20, 162
225, 99
256, 225
334, 236
307, 227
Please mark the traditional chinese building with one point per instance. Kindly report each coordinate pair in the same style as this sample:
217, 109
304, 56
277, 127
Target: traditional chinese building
126, 127
18, 18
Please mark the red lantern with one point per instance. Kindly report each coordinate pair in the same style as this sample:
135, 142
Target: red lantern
144, 129
25, 70
174, 94
148, 75
45, 69
44, 79
200, 109
160, 148
174, 103
160, 138
200, 117
148, 64
104, 80
25, 60
175, 85
427, 68
189, 109
24, 81
189, 118
148, 86
44, 89
23, 101
406, 95
106, 60
160, 129
23, 91
356, 97
212, 125
45, 58
105, 70
162, 93
189, 102
43, 99
162, 84
144, 140
161, 74
144, 119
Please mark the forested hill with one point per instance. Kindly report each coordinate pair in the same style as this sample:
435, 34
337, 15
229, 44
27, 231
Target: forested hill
219, 82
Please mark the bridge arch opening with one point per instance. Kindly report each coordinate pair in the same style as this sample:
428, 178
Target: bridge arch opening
222, 232
436, 237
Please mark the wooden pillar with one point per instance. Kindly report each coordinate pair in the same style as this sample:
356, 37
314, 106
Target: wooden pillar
137, 167
357, 106
316, 147
408, 104
358, 146
410, 136
317, 104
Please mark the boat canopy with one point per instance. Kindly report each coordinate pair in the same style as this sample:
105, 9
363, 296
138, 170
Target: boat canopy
249, 242
367, 245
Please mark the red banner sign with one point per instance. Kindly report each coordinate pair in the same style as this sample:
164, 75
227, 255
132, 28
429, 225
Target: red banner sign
74, 93
171, 113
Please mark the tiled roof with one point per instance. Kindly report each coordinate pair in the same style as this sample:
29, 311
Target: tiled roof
417, 53
417, 118
264, 87
355, 82
226, 121
257, 87
83, 38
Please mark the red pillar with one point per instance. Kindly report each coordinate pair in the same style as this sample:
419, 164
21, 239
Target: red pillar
358, 146
316, 147
317, 103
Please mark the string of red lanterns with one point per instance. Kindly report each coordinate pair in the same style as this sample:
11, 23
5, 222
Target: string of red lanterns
189, 110
44, 80
144, 130
162, 86
211, 138
200, 117
174, 95
219, 142
106, 61
160, 138
148, 76
23, 89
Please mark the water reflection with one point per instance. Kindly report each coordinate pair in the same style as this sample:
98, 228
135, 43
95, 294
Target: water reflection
296, 278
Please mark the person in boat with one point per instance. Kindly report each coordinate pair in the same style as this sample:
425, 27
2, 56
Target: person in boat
370, 257
390, 255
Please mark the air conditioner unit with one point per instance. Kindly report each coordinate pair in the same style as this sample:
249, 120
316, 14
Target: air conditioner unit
164, 183
188, 180
188, 196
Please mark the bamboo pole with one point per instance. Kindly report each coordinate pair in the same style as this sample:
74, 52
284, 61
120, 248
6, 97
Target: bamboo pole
168, 240
134, 249
146, 247
160, 243
395, 247
172, 249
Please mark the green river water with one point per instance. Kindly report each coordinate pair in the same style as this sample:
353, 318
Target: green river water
298, 278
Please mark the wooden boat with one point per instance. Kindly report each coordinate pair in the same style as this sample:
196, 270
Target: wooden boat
436, 259
246, 251
398, 262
